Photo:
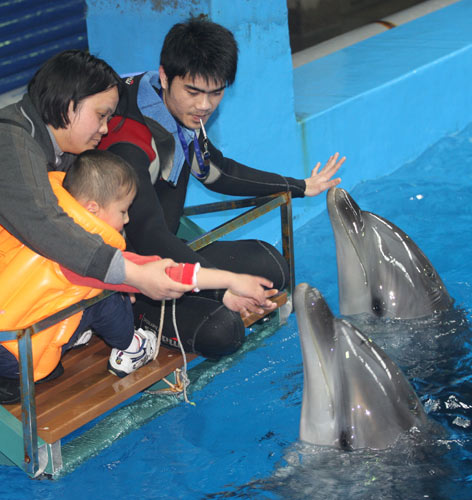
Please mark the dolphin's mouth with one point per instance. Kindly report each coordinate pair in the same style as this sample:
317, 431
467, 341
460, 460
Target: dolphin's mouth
345, 213
348, 214
348, 209
316, 336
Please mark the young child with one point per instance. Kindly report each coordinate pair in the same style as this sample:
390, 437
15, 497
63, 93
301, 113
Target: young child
96, 192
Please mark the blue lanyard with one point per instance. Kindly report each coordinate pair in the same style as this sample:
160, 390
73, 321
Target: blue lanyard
202, 159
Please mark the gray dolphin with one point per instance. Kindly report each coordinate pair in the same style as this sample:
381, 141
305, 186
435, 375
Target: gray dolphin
381, 270
354, 395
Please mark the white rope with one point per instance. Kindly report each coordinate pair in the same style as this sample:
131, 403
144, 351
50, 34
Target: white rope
161, 326
185, 378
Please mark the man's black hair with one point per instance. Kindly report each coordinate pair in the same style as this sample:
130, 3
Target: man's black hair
69, 76
199, 47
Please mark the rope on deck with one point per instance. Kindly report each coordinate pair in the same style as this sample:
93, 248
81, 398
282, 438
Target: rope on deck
181, 378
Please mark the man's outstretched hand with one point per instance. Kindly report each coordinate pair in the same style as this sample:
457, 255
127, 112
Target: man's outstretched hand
321, 180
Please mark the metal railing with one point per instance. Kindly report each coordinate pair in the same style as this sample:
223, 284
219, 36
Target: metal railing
263, 205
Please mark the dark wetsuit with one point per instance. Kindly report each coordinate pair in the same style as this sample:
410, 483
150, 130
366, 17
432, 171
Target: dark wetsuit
205, 325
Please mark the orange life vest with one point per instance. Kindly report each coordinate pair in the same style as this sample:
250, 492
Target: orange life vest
33, 287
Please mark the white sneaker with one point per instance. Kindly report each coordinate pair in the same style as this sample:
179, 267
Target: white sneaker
141, 351
83, 339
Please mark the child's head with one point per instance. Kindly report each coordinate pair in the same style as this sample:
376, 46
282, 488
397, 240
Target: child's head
104, 184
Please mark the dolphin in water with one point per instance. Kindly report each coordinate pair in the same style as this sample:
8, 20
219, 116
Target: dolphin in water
354, 395
381, 271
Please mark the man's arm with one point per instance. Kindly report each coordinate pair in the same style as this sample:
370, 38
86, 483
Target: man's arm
230, 177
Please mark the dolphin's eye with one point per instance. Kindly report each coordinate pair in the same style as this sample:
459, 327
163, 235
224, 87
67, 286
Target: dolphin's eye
429, 271
377, 307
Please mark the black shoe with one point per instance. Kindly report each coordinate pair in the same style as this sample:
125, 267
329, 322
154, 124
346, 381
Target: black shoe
10, 387
9, 391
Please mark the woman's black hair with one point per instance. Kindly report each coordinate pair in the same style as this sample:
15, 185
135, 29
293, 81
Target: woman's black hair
200, 47
69, 76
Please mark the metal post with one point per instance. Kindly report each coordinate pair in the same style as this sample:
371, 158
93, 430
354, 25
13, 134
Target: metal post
28, 404
287, 239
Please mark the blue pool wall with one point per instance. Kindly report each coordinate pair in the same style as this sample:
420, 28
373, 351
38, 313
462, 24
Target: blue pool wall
380, 102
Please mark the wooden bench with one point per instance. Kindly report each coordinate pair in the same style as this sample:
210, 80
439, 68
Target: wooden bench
86, 390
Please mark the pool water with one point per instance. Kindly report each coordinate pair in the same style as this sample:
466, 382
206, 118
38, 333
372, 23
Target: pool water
240, 438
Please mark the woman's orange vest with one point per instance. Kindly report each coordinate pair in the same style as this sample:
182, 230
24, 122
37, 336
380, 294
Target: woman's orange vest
33, 287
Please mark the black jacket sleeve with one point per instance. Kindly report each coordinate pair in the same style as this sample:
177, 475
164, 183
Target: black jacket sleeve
230, 177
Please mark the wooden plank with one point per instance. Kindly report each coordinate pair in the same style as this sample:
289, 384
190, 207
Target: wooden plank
99, 393
86, 390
